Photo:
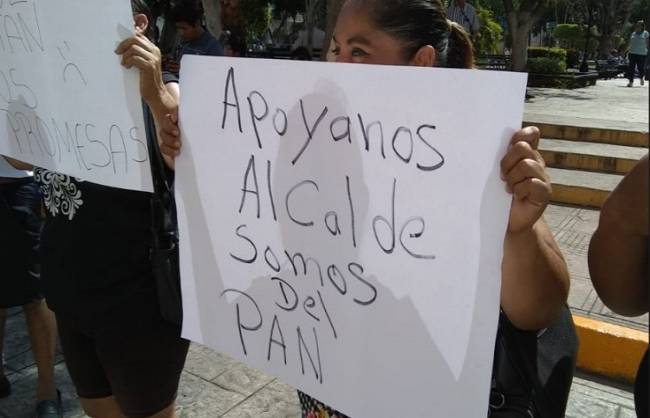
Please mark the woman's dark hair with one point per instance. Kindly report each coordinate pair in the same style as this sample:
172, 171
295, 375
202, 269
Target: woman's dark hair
187, 11
141, 7
417, 23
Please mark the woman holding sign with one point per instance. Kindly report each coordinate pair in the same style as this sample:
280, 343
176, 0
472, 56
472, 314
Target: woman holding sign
124, 358
535, 280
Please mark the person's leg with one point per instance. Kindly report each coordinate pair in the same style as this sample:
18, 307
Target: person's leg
86, 372
101, 408
143, 358
42, 334
169, 412
632, 60
3, 317
641, 64
5, 386
108, 408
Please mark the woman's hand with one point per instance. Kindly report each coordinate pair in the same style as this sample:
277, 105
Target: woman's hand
139, 52
170, 136
524, 171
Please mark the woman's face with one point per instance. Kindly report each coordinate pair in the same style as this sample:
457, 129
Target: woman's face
355, 40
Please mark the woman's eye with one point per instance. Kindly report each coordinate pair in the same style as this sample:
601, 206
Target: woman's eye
356, 52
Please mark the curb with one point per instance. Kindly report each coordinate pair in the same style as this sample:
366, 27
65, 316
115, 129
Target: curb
587, 162
609, 350
579, 133
579, 196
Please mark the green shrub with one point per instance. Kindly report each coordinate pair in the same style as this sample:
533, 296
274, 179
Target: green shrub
572, 58
569, 35
558, 54
546, 65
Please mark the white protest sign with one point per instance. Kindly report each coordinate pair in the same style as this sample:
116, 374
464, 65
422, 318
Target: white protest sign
342, 226
66, 104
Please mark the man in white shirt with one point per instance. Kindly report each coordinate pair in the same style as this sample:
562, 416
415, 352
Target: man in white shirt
464, 14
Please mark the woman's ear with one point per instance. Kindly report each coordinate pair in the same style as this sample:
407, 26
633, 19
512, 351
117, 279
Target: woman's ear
425, 57
141, 22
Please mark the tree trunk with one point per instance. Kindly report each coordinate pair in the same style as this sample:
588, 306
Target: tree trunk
519, 49
333, 9
212, 9
605, 44
520, 27
310, 9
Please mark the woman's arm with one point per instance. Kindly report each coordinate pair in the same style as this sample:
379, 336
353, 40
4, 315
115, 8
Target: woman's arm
162, 99
535, 278
618, 253
18, 165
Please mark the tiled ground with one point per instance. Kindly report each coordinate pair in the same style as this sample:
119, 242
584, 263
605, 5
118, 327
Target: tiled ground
573, 228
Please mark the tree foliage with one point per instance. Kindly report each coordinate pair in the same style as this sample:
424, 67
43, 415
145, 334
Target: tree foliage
491, 33
255, 17
569, 35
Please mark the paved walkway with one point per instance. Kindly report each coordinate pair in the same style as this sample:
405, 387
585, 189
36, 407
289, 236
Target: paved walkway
215, 386
573, 228
608, 105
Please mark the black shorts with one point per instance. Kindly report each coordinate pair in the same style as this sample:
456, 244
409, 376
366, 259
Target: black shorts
133, 355
20, 226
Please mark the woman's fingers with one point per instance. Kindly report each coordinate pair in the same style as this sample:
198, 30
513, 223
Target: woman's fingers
139, 40
529, 134
137, 51
520, 150
170, 135
524, 169
534, 190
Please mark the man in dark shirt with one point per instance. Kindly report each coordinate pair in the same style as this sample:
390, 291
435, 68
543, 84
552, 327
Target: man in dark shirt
194, 38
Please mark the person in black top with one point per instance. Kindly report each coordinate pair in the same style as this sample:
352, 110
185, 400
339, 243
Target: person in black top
123, 357
195, 39
20, 283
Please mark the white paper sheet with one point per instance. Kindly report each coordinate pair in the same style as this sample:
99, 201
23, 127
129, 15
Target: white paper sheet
66, 104
407, 236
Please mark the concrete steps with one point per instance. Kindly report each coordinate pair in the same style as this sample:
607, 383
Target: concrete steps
581, 188
586, 164
604, 158
587, 134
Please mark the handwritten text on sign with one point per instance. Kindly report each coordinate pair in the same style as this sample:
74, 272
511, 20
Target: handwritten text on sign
342, 226
66, 104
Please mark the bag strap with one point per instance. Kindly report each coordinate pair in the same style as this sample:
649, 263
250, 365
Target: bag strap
162, 202
159, 176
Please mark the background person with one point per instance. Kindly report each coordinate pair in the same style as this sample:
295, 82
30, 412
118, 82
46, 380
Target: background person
638, 51
194, 38
124, 359
20, 284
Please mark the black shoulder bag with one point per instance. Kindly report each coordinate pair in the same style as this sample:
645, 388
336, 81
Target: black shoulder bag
533, 371
164, 230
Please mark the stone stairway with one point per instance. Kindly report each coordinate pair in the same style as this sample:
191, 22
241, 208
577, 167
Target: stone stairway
585, 164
